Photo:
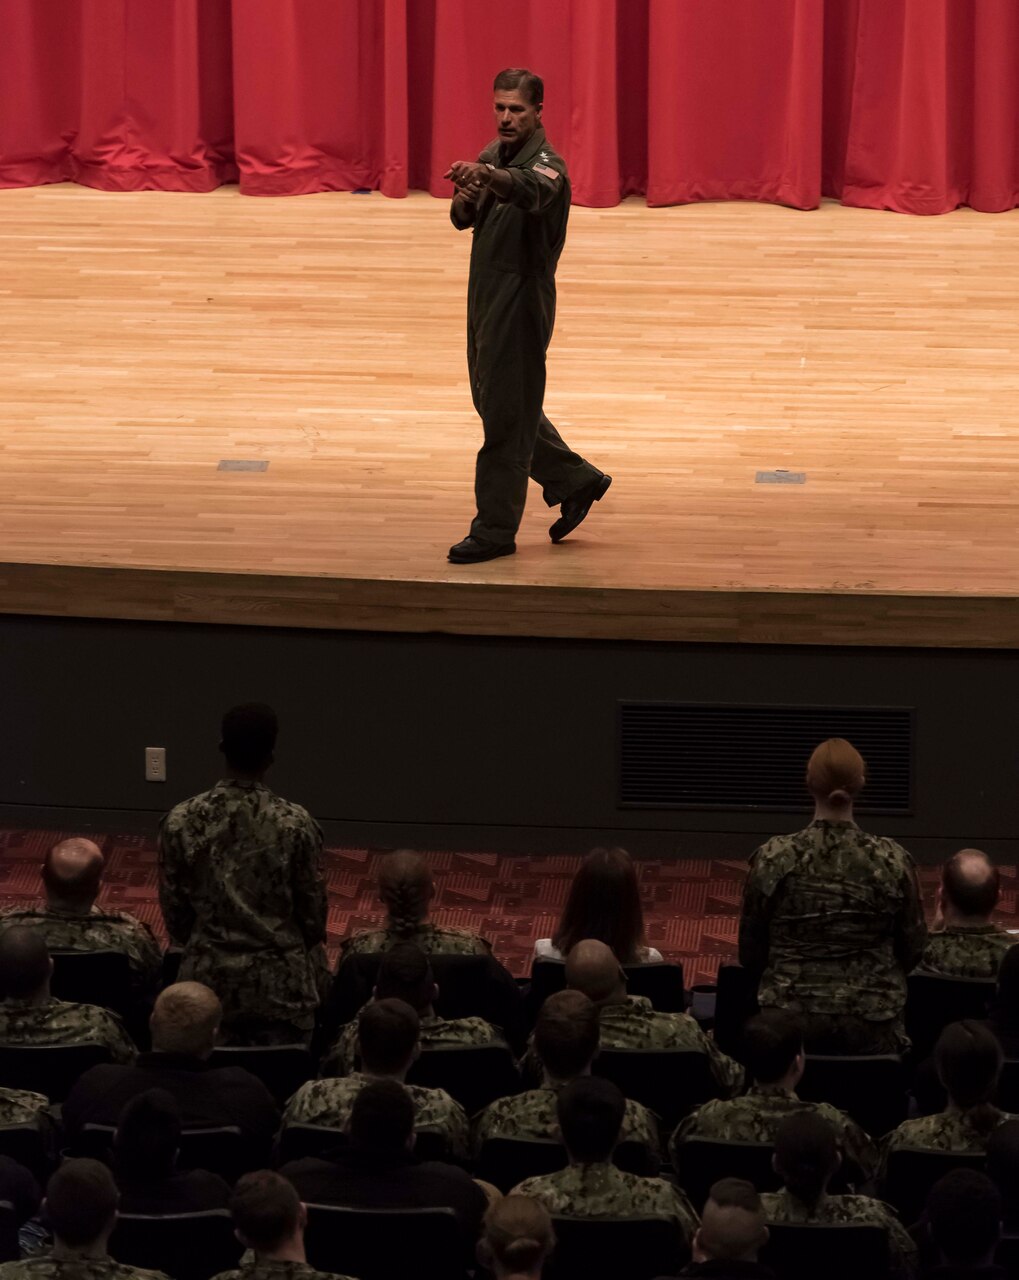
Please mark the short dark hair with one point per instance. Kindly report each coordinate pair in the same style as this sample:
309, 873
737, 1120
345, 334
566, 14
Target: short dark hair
405, 974
265, 1208
148, 1135
590, 1113
522, 81
387, 1031
382, 1117
972, 897
566, 1034
735, 1193
24, 962
964, 1215
81, 1201
771, 1041
248, 736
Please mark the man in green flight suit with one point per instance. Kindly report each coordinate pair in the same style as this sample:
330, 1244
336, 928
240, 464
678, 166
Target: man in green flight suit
516, 196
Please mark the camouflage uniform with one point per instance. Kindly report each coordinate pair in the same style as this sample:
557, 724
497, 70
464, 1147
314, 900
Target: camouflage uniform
58, 1022
436, 1033
100, 930
18, 1106
432, 940
603, 1191
947, 1131
253, 1268
242, 890
47, 1268
329, 1103
756, 1116
832, 921
780, 1207
531, 1117
960, 952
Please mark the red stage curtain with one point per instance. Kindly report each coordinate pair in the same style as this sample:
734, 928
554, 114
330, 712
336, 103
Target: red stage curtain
910, 105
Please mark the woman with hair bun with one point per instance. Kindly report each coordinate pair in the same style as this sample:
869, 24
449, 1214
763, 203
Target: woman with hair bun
832, 919
406, 889
516, 1238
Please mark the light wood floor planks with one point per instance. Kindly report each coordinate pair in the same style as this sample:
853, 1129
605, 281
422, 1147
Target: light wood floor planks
147, 336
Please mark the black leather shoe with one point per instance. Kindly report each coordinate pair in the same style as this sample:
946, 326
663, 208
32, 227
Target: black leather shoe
576, 508
474, 550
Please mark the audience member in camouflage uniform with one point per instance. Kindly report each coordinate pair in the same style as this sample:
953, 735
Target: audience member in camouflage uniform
389, 1033
806, 1158
963, 1220
81, 1205
406, 889
773, 1053
70, 920
963, 942
19, 1106
630, 1022
832, 919
968, 1061
242, 891
31, 1017
565, 1042
590, 1112
405, 974
269, 1220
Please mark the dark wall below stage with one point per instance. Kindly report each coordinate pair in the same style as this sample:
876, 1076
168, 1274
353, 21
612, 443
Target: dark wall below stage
459, 742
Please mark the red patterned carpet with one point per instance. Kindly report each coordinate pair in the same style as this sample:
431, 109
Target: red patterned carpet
691, 905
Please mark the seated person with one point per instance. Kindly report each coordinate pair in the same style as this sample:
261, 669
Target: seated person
963, 942
145, 1149
184, 1027
962, 1221
70, 920
565, 1042
405, 974
377, 1168
806, 1159
269, 1221
731, 1234
773, 1055
388, 1039
31, 1018
81, 1206
629, 1022
603, 903
21, 1106
590, 1112
407, 889
1003, 1170
832, 919
516, 1239
968, 1060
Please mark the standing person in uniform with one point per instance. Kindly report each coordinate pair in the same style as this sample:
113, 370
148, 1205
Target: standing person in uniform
832, 919
516, 196
242, 891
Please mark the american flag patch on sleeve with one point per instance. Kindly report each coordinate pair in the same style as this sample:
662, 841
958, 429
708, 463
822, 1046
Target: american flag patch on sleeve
545, 171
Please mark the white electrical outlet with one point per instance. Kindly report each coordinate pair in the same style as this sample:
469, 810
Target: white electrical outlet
155, 764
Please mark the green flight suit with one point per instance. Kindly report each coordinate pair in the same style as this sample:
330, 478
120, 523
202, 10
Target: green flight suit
511, 298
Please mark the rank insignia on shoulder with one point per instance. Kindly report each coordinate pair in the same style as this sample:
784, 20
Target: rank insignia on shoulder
545, 171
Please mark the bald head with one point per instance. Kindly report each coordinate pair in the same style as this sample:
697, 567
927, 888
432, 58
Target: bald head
186, 1019
72, 873
25, 965
732, 1224
593, 969
969, 886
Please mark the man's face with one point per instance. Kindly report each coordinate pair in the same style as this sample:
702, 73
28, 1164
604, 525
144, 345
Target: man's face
515, 118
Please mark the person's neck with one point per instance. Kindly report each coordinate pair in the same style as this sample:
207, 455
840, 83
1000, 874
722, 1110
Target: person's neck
398, 1076
291, 1250
180, 1053
824, 812
552, 1082
787, 1084
954, 919
37, 998
240, 775
67, 907
619, 996
94, 1252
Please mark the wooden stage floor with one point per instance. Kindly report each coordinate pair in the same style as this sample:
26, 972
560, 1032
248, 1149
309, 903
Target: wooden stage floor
148, 336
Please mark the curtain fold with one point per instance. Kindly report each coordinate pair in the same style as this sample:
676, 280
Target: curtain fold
910, 105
